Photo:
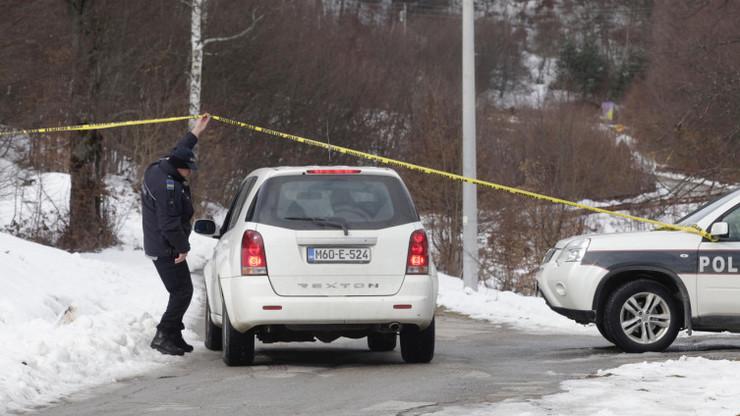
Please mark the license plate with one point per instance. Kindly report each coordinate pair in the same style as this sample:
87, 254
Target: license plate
337, 255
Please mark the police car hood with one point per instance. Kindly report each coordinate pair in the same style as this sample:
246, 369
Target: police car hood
645, 240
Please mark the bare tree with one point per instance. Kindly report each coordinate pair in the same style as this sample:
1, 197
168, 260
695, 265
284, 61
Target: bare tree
198, 20
686, 111
87, 228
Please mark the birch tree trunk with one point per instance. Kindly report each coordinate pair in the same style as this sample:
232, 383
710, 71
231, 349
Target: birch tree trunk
198, 19
196, 64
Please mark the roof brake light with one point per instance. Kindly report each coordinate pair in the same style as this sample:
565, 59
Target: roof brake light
333, 171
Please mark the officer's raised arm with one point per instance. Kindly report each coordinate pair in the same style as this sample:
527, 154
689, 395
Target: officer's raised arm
191, 138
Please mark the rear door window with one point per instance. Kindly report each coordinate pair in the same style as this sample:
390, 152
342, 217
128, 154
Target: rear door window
246, 189
356, 201
236, 205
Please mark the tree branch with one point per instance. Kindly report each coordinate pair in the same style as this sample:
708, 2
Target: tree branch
727, 42
244, 32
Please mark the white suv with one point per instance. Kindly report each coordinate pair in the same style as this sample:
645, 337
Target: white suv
310, 253
642, 288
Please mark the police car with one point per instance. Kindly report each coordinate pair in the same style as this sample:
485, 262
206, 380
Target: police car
318, 253
642, 288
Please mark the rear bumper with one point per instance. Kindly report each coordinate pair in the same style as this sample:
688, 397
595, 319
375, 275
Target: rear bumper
246, 298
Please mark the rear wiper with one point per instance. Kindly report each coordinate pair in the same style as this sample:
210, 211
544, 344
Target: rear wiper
323, 221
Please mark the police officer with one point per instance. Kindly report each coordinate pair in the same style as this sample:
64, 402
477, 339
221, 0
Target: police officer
167, 209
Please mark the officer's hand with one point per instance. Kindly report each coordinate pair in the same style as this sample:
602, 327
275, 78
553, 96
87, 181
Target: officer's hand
180, 258
201, 124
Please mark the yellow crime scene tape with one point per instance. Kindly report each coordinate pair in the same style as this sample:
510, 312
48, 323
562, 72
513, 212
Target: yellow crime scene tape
369, 156
98, 126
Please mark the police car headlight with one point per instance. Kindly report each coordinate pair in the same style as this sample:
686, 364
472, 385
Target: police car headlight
574, 251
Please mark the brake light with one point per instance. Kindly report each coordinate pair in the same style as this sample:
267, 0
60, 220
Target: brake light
333, 171
254, 261
418, 258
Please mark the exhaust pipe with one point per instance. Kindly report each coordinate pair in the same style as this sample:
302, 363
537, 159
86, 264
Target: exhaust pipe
395, 326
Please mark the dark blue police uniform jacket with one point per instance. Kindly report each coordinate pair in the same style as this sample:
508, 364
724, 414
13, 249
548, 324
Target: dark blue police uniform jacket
167, 207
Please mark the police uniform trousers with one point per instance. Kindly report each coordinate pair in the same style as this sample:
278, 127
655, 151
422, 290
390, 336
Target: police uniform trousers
176, 279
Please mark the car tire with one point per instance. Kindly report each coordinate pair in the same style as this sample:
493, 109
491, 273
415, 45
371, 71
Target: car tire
603, 330
238, 348
417, 346
378, 342
642, 316
213, 333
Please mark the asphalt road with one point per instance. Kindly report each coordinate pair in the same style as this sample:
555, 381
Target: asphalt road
475, 362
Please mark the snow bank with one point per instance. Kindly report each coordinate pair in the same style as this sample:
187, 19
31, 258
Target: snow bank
521, 312
687, 386
68, 321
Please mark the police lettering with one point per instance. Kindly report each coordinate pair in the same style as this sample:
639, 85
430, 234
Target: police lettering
718, 264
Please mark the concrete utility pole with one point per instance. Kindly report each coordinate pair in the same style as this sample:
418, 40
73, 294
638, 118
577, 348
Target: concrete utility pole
470, 198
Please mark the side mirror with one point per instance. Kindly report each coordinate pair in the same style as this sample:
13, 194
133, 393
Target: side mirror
720, 229
205, 227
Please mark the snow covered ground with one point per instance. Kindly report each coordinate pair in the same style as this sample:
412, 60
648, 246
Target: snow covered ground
687, 386
69, 321
33, 204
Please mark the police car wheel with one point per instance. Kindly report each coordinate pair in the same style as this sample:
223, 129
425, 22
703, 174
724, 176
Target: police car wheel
213, 333
238, 348
601, 326
642, 316
381, 342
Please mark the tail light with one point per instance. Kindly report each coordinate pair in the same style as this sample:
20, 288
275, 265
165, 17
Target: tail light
418, 258
254, 261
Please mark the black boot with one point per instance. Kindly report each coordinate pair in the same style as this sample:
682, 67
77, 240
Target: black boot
163, 343
180, 342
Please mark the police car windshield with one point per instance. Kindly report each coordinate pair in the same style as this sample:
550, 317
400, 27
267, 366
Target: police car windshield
696, 216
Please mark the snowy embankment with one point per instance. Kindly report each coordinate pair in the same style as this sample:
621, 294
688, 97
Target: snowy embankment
527, 313
687, 386
71, 321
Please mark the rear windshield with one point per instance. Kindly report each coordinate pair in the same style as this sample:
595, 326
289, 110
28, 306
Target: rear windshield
356, 201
